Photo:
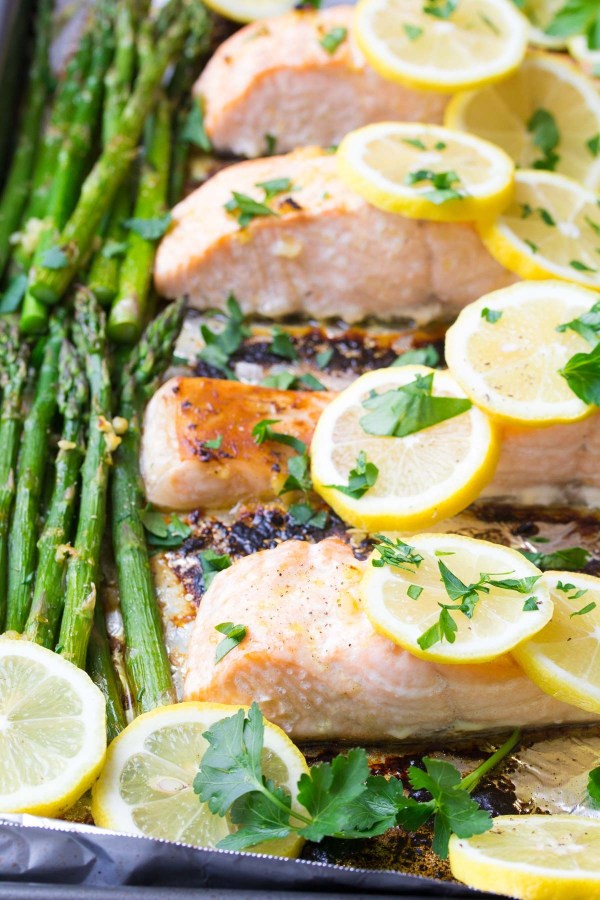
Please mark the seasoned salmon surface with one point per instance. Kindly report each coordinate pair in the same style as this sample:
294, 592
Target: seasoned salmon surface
181, 472
313, 662
275, 78
326, 252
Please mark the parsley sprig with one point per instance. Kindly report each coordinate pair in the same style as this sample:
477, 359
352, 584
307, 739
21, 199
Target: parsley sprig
220, 345
298, 478
578, 17
582, 374
587, 325
339, 799
546, 137
361, 477
569, 559
409, 408
444, 185
246, 208
396, 553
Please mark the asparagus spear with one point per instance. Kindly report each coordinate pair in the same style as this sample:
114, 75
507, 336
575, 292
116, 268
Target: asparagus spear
13, 373
16, 190
101, 670
30, 475
48, 285
82, 566
103, 278
47, 603
146, 659
69, 174
128, 312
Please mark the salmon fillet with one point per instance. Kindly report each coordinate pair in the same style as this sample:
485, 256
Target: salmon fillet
181, 473
275, 78
313, 662
326, 253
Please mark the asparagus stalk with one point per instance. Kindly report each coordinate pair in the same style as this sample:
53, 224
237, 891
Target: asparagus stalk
128, 312
102, 672
13, 374
69, 174
146, 660
17, 185
33, 455
103, 278
48, 285
82, 566
47, 603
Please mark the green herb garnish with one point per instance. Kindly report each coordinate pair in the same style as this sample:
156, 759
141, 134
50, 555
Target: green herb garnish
245, 208
446, 185
149, 229
546, 136
582, 374
234, 635
491, 315
362, 477
212, 563
166, 531
587, 325
409, 408
397, 554
570, 559
333, 38
421, 356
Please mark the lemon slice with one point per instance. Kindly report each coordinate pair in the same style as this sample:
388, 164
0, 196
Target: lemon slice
550, 230
506, 352
52, 730
250, 10
426, 171
540, 13
588, 59
422, 477
545, 93
499, 622
532, 857
564, 658
147, 784
441, 45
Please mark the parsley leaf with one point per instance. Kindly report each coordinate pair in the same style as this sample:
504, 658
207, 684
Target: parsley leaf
413, 32
446, 185
305, 514
530, 605
193, 131
594, 786
149, 229
421, 356
164, 530
234, 635
585, 610
414, 591
587, 325
262, 432
409, 408
283, 345
287, 381
275, 186
298, 478
577, 17
582, 374
570, 559
333, 38
546, 136
395, 553
324, 358
441, 9
362, 477
270, 144
491, 315
214, 443
593, 145
55, 258
220, 345
212, 563
328, 789
245, 208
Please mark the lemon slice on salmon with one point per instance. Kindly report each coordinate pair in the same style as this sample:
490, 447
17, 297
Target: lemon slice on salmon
564, 658
459, 601
551, 229
531, 857
52, 730
546, 113
441, 45
147, 784
375, 480
426, 171
250, 10
507, 351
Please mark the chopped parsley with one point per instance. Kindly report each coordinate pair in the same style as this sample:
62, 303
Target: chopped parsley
409, 408
362, 477
593, 145
587, 325
274, 187
270, 144
298, 478
569, 559
305, 514
580, 267
421, 356
414, 591
585, 610
441, 9
445, 185
221, 345
282, 345
234, 635
213, 443
491, 315
245, 208
578, 17
533, 247
164, 531
546, 137
333, 38
288, 381
193, 131
324, 358
413, 33
530, 605
582, 374
262, 432
212, 563
397, 554
338, 799
594, 786
149, 229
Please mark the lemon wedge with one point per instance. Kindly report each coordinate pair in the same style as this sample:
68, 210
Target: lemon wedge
550, 230
250, 10
564, 658
441, 45
52, 730
507, 349
426, 171
532, 858
146, 786
546, 113
413, 606
420, 478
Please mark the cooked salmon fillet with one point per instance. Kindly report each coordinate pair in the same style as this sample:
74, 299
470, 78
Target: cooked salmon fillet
181, 473
326, 252
314, 663
274, 77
